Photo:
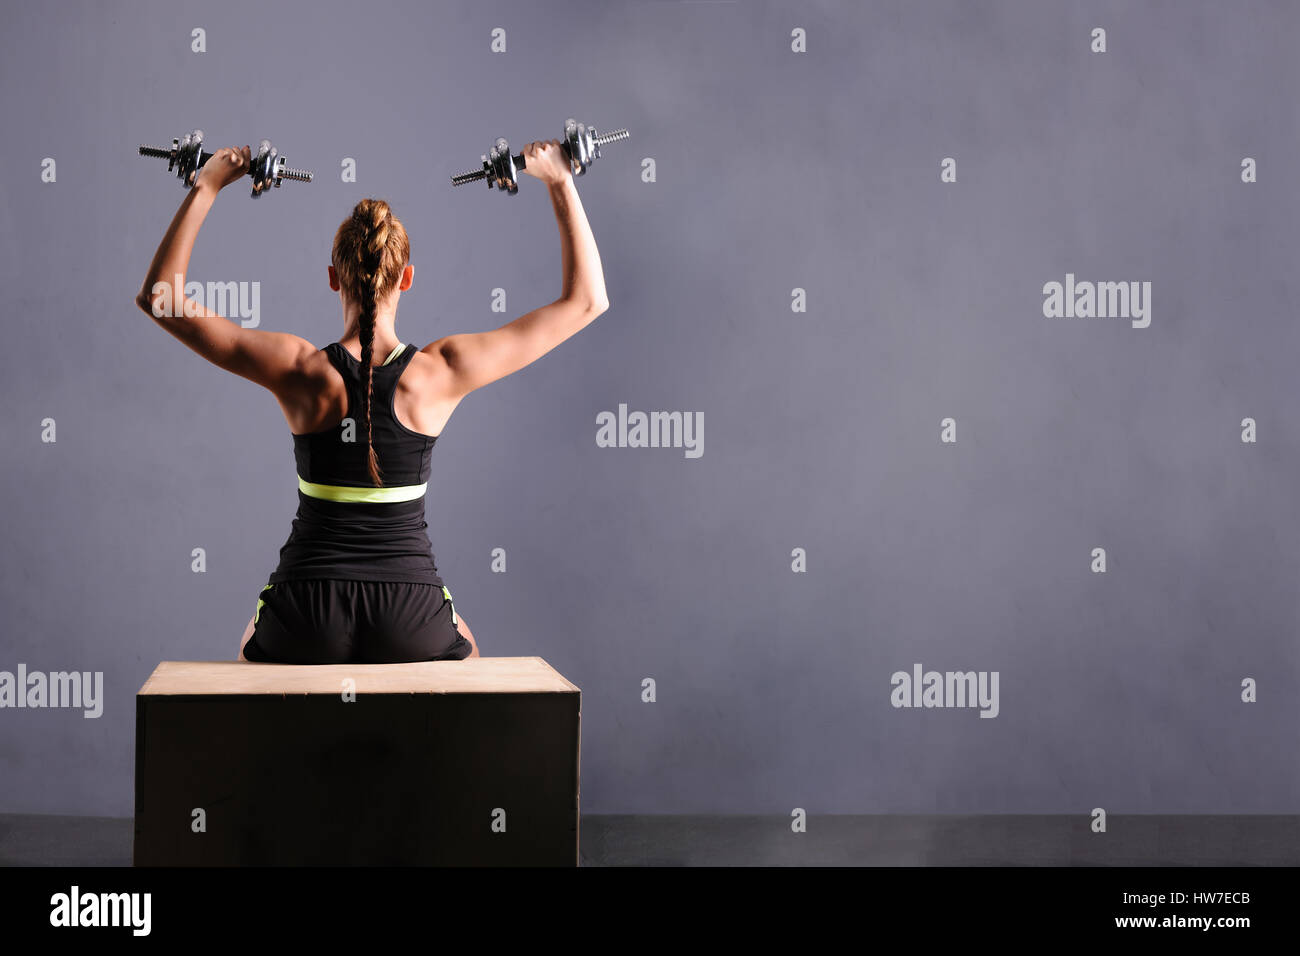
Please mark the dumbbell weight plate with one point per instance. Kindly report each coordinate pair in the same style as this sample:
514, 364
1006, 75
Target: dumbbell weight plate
575, 146
262, 167
581, 143
187, 157
503, 167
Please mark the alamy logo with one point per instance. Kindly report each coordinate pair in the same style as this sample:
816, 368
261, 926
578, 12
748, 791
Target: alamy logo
56, 689
1103, 300
651, 430
75, 908
234, 300
947, 689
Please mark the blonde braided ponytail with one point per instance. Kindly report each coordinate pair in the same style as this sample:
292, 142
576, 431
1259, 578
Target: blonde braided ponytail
371, 249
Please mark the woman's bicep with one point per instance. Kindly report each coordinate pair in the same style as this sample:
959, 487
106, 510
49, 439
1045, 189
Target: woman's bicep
271, 359
476, 359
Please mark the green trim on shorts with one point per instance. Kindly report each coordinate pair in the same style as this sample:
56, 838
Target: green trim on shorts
447, 595
260, 602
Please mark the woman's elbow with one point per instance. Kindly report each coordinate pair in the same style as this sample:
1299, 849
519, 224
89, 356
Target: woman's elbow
158, 301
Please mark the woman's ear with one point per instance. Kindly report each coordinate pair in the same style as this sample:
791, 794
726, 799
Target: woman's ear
408, 276
334, 280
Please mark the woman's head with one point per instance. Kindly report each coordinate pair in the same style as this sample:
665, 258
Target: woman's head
371, 249
370, 255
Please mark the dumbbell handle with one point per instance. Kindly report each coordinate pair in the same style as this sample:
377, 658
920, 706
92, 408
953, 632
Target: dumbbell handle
481, 174
300, 175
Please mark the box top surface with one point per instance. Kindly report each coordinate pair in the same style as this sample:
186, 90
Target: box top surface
479, 675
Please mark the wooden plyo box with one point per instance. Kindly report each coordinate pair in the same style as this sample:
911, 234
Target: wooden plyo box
441, 763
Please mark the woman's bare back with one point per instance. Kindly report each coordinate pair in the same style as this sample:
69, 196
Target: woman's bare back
423, 402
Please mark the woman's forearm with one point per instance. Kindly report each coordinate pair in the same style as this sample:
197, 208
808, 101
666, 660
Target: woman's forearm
584, 279
164, 286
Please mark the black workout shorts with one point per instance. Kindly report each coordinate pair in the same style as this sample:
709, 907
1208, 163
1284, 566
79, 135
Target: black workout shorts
354, 622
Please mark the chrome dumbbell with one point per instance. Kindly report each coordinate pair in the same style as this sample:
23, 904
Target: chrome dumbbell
186, 157
500, 168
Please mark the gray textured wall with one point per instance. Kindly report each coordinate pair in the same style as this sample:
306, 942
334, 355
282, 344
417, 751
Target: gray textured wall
775, 170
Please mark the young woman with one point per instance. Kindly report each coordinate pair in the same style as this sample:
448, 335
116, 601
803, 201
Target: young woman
356, 582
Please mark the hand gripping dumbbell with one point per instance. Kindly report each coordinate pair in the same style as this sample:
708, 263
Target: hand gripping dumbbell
581, 144
267, 166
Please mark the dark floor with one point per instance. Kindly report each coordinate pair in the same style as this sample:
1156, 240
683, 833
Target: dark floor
27, 840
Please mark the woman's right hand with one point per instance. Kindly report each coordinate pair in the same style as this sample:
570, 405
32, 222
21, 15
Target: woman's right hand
547, 161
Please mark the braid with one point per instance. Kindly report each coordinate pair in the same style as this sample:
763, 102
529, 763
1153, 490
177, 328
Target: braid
371, 278
370, 252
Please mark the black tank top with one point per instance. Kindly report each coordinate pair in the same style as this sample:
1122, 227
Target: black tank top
346, 528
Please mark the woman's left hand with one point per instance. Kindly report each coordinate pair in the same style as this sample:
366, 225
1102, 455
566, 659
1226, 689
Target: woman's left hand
225, 166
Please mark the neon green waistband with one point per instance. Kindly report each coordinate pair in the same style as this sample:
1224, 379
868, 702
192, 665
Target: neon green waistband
361, 495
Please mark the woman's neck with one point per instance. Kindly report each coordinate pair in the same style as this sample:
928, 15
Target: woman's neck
385, 339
